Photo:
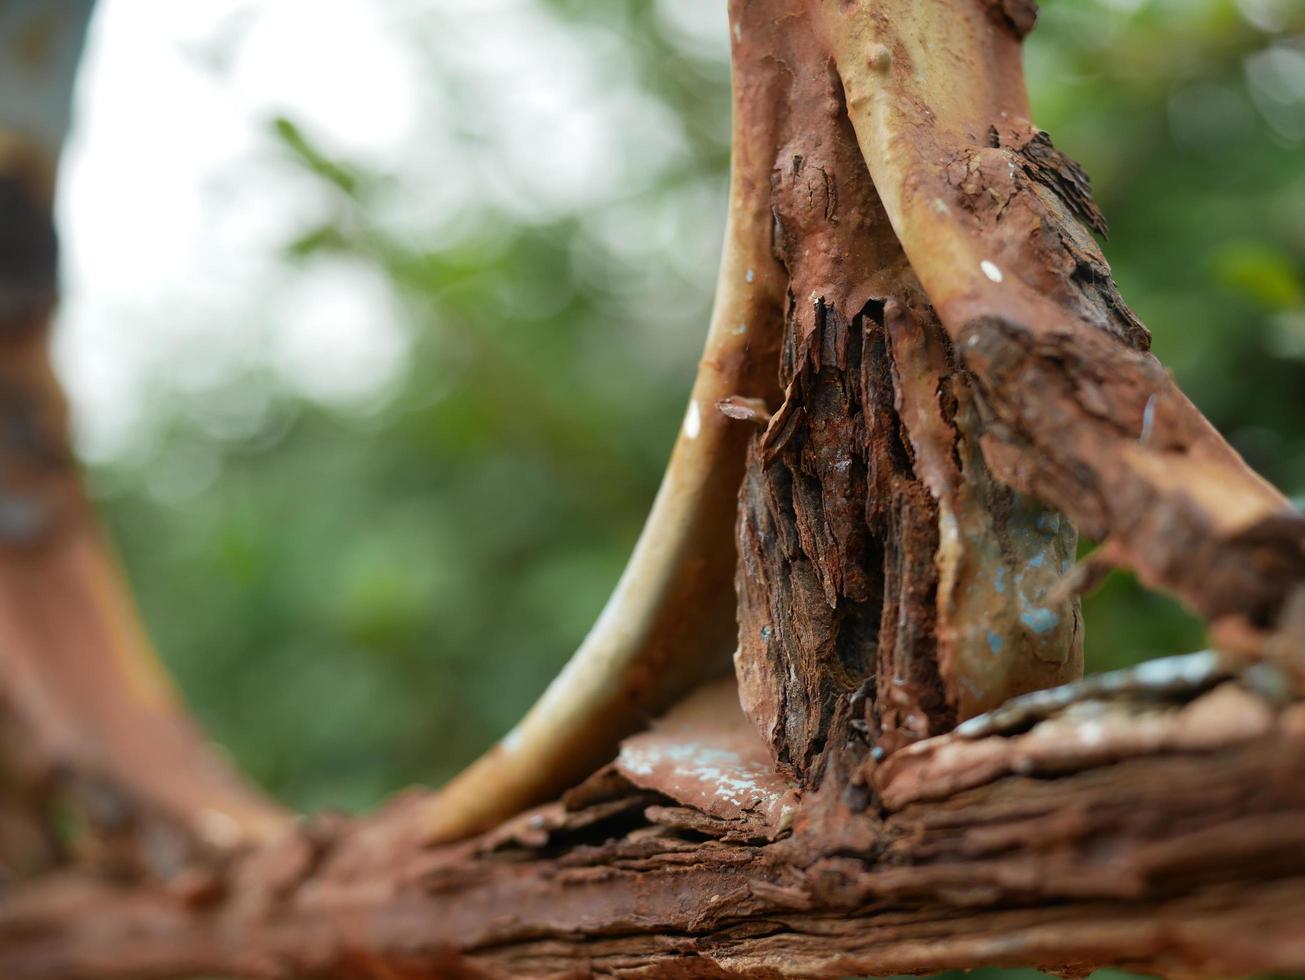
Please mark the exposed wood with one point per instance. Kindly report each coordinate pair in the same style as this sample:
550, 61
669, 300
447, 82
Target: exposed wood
880, 562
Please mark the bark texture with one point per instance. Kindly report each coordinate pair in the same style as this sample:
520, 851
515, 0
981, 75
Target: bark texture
1076, 410
923, 373
1177, 848
886, 580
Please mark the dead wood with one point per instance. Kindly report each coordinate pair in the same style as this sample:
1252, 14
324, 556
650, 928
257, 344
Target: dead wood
926, 380
1177, 851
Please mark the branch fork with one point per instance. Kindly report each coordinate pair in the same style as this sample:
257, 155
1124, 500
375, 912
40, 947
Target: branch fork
905, 772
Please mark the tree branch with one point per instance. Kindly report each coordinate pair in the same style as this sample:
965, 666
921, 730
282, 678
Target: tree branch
908, 261
96, 736
1180, 852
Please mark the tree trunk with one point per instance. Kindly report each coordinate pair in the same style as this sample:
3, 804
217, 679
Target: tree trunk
920, 378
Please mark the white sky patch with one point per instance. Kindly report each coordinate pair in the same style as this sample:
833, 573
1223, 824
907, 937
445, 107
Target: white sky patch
338, 331
350, 81
704, 27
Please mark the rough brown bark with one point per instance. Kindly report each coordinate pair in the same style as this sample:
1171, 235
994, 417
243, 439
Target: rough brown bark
1076, 410
1176, 848
934, 374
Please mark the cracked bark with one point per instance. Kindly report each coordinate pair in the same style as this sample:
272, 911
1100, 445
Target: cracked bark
1177, 851
938, 377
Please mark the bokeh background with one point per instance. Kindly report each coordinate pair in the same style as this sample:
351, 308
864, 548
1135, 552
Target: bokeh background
380, 317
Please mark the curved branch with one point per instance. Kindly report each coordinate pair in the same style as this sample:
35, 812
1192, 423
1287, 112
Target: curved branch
669, 625
91, 714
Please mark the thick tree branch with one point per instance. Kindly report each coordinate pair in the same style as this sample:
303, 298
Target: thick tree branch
1078, 412
1185, 855
913, 308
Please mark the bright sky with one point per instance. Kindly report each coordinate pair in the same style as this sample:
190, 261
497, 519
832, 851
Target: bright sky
175, 199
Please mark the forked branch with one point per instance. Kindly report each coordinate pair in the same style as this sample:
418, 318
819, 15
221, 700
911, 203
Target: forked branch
925, 379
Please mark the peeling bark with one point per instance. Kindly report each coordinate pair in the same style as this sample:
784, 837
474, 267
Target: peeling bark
1179, 853
888, 584
922, 372
1076, 411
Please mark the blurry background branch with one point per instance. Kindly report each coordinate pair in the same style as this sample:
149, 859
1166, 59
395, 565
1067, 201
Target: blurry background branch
461, 379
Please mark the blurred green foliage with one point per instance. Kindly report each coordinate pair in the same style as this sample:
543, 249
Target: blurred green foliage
360, 599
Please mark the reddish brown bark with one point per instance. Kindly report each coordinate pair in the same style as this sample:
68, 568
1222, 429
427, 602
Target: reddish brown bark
1076, 411
937, 375
684, 860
